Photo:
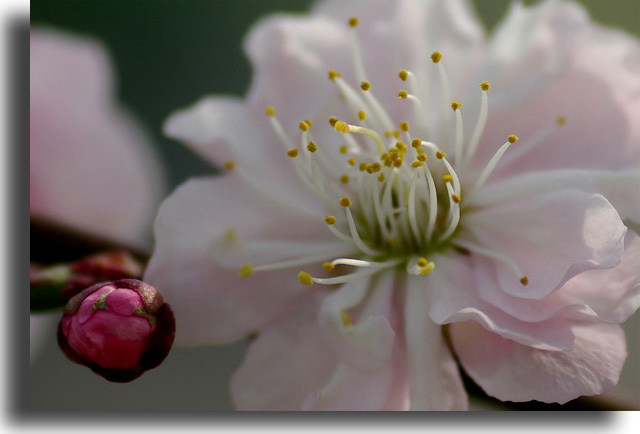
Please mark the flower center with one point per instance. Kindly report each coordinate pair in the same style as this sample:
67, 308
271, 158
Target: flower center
397, 198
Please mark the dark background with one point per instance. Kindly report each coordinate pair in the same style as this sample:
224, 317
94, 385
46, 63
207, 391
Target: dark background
167, 54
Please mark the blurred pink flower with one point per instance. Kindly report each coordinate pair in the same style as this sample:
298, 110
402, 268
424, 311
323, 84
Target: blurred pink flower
91, 165
433, 243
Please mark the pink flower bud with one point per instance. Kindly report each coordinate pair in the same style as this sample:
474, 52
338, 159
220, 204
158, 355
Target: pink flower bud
118, 329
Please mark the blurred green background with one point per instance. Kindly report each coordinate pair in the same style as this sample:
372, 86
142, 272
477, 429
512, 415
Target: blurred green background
167, 54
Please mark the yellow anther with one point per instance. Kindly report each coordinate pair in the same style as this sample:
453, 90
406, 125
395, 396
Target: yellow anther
230, 164
369, 169
416, 143
561, 120
456, 198
303, 126
420, 151
305, 278
422, 157
333, 75
375, 167
440, 155
362, 115
351, 161
436, 56
328, 266
447, 178
403, 94
345, 202
512, 138
346, 319
416, 163
330, 220
381, 177
384, 157
456, 105
401, 147
427, 269
246, 270
524, 280
365, 85
393, 152
397, 163
344, 179
231, 236
422, 262
403, 75
342, 127
309, 122
343, 149
293, 153
485, 86
363, 166
333, 120
353, 21
270, 111
311, 147
404, 126
396, 134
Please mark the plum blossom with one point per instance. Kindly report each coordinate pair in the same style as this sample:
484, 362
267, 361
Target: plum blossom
404, 195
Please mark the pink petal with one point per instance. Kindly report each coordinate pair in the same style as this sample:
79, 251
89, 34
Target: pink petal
370, 375
224, 129
551, 237
434, 380
622, 189
613, 295
284, 365
91, 164
563, 76
369, 341
610, 295
451, 292
514, 372
211, 302
352, 388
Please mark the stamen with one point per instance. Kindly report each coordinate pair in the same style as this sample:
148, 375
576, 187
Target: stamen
305, 278
344, 128
474, 248
246, 270
348, 277
494, 160
346, 319
433, 204
345, 202
456, 106
481, 123
358, 64
454, 210
229, 164
436, 57
413, 221
420, 267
